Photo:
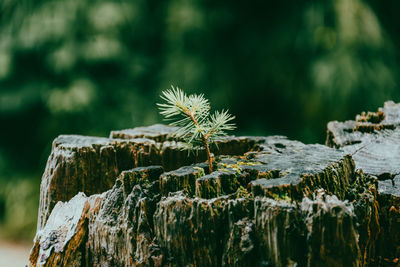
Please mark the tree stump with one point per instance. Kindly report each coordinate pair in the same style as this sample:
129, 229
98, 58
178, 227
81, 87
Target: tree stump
373, 140
137, 199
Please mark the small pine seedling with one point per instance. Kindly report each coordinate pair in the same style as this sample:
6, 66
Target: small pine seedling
196, 126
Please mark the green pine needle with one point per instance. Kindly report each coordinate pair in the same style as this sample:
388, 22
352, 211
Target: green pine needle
191, 114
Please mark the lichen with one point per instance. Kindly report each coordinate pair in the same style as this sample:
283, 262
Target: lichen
242, 192
237, 167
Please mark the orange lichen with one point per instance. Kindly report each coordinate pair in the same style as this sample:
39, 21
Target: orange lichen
371, 121
374, 117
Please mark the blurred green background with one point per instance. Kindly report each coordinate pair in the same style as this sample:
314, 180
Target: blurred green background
88, 67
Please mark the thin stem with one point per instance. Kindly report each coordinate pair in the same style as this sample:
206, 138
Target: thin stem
205, 141
210, 167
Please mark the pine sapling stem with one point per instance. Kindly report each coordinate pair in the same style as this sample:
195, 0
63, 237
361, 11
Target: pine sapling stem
210, 166
205, 141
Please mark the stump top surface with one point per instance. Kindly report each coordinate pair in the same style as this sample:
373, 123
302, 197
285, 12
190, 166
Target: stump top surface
373, 140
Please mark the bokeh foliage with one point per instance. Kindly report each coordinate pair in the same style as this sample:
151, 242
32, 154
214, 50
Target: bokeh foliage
87, 67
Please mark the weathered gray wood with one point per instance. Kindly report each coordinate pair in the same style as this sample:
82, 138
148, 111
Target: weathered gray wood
365, 127
313, 233
62, 241
218, 183
156, 132
91, 164
331, 232
373, 140
302, 171
270, 202
240, 248
183, 178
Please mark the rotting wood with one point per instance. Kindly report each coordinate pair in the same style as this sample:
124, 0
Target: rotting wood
270, 202
373, 140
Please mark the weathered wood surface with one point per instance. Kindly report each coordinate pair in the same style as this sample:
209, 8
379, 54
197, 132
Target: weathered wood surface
373, 140
270, 201
91, 164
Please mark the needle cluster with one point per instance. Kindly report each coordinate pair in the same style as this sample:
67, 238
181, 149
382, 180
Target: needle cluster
191, 114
